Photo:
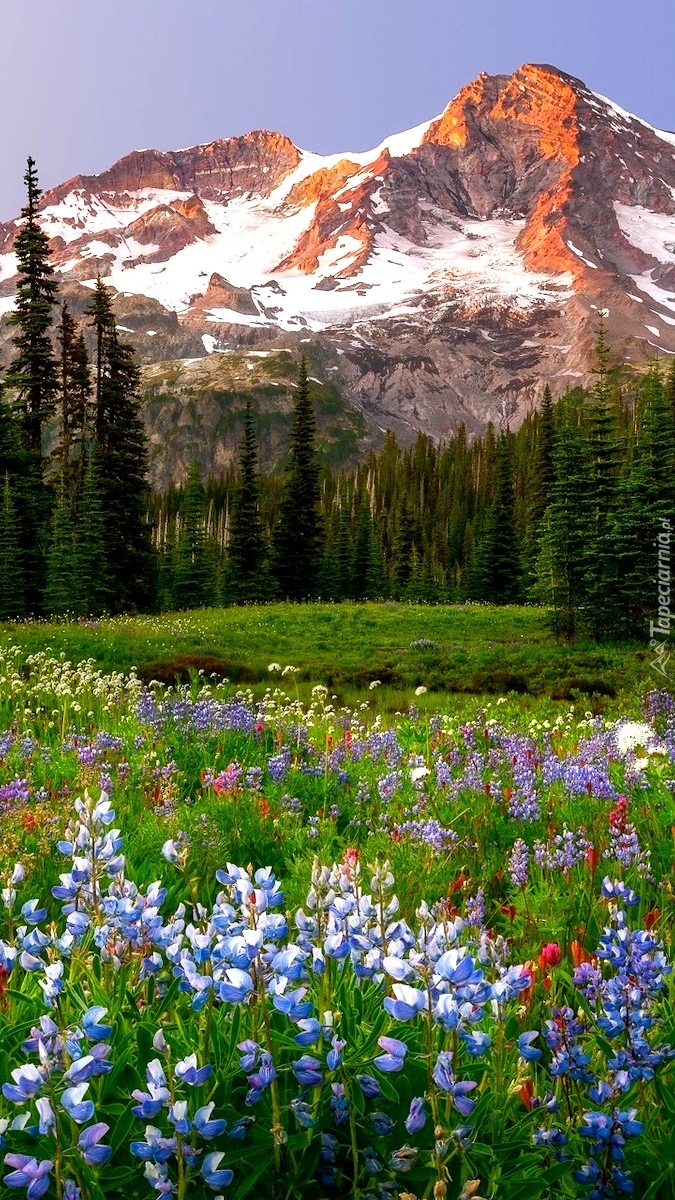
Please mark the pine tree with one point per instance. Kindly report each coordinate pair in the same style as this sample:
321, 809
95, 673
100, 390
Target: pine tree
12, 604
60, 582
91, 582
247, 549
191, 581
297, 541
122, 460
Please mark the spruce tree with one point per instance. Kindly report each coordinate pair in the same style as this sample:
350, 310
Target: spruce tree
562, 582
647, 500
297, 540
604, 458
74, 406
59, 588
498, 560
32, 373
539, 483
122, 460
91, 582
32, 378
247, 549
12, 602
191, 580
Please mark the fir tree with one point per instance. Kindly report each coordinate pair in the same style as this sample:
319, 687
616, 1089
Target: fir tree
33, 372
60, 583
91, 584
32, 377
539, 482
498, 562
647, 507
562, 564
297, 543
191, 584
604, 458
123, 460
75, 409
12, 603
247, 549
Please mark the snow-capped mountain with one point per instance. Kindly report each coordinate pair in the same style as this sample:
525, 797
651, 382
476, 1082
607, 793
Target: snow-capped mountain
439, 278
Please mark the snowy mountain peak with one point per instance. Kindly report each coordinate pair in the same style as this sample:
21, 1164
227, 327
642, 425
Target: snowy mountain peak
440, 276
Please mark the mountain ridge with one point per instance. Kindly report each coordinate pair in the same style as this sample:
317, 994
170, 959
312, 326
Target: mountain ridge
442, 277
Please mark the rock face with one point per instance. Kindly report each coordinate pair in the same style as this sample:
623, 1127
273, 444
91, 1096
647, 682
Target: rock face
442, 277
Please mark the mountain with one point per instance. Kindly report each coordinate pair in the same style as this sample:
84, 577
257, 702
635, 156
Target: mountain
442, 277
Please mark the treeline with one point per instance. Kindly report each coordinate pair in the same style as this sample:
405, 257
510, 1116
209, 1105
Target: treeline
74, 510
566, 512
573, 510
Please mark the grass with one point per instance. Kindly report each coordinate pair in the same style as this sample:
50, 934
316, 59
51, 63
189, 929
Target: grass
459, 649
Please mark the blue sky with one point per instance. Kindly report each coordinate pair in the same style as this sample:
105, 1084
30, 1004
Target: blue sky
82, 82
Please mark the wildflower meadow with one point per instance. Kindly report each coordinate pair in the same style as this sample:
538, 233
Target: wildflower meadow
275, 946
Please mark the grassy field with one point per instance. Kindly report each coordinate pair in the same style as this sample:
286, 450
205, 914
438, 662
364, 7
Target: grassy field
463, 649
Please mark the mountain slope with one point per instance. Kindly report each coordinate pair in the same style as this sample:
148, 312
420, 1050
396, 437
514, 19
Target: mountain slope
441, 277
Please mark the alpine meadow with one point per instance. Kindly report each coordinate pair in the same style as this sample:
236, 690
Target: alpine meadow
337, 727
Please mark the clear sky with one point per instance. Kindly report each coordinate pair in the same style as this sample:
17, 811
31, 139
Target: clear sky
83, 82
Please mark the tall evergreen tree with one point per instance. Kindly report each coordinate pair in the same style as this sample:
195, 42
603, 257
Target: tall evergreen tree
192, 574
60, 582
122, 459
297, 543
562, 564
498, 561
32, 373
12, 601
91, 571
33, 379
604, 458
247, 549
74, 406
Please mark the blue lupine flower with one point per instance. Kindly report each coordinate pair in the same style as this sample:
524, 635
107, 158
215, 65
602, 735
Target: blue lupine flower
417, 1117
334, 1056
188, 1071
47, 1120
445, 1078
92, 1152
205, 1127
311, 1032
28, 1173
240, 1128
93, 1030
394, 1057
407, 1002
32, 913
302, 1113
371, 1162
27, 1082
404, 1159
369, 1086
178, 1117
476, 1042
155, 1148
525, 1048
214, 1177
382, 1124
307, 1071
78, 1109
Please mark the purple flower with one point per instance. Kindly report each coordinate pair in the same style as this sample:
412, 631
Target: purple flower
445, 1078
307, 1071
213, 1176
416, 1118
394, 1057
205, 1127
94, 1154
28, 1173
525, 1048
188, 1071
